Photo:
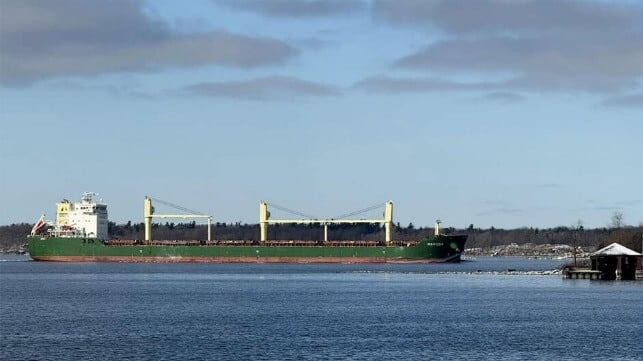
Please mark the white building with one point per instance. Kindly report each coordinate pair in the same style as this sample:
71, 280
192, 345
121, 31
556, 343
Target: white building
85, 219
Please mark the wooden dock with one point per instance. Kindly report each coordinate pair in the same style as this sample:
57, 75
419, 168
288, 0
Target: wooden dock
581, 274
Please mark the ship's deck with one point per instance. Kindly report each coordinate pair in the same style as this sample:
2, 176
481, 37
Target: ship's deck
273, 243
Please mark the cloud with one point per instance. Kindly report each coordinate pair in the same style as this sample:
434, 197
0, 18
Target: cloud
630, 202
504, 97
313, 43
119, 91
397, 85
631, 100
386, 84
524, 16
266, 88
545, 45
301, 8
45, 39
554, 63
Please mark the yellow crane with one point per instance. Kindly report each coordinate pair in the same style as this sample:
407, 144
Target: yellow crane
264, 219
148, 214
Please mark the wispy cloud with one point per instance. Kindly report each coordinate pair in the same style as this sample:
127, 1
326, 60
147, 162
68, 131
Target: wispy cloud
554, 63
546, 45
265, 88
525, 16
503, 97
630, 202
396, 85
618, 205
301, 8
386, 84
118, 91
42, 39
631, 100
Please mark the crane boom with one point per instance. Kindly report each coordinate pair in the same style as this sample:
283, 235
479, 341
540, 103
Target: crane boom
148, 214
264, 220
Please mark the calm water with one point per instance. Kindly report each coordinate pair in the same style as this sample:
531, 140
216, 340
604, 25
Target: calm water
60, 311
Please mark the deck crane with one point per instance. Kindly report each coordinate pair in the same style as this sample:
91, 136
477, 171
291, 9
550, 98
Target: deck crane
264, 219
148, 214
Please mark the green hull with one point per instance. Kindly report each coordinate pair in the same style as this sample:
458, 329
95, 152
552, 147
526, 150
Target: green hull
435, 249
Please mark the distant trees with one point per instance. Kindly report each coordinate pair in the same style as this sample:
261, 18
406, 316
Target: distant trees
485, 238
629, 237
617, 220
13, 236
619, 232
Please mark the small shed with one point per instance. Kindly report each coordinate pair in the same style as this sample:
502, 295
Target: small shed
616, 262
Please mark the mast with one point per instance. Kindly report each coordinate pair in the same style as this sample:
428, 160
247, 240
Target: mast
148, 210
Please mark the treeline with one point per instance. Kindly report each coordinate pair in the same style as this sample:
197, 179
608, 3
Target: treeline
13, 236
589, 239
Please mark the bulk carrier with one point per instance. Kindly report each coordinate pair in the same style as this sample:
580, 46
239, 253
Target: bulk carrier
80, 234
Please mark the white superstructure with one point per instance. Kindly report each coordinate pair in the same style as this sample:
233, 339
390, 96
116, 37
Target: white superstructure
86, 219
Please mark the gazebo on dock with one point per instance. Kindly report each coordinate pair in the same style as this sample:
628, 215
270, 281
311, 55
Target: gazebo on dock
616, 262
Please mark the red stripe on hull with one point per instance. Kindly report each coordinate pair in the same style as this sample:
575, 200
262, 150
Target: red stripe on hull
232, 259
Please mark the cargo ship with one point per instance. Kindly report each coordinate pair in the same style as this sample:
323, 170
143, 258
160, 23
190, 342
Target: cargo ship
80, 234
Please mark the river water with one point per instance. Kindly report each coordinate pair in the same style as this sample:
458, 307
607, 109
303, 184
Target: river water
473, 310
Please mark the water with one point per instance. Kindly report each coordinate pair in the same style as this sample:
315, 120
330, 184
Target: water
60, 311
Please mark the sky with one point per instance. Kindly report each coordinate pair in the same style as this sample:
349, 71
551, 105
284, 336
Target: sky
525, 113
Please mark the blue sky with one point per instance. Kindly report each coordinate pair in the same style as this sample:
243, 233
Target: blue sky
491, 113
